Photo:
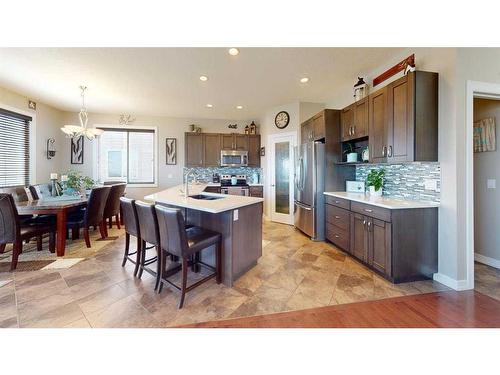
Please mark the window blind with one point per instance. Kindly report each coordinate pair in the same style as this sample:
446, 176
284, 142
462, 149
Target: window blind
14, 149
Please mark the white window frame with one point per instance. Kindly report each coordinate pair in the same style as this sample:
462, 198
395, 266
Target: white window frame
33, 146
95, 152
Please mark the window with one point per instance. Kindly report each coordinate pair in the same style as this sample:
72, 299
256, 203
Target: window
14, 149
127, 155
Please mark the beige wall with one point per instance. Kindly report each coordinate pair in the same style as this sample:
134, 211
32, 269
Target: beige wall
168, 127
486, 201
47, 122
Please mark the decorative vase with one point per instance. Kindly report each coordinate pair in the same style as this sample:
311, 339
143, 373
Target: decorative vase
375, 193
352, 157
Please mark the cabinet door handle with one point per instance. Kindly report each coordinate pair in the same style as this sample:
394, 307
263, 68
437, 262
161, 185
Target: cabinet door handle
364, 222
390, 152
337, 236
337, 202
369, 225
354, 130
368, 210
384, 151
337, 217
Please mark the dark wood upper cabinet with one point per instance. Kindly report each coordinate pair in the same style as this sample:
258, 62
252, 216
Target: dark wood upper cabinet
227, 141
306, 131
194, 149
360, 124
203, 149
318, 125
240, 142
409, 131
377, 103
211, 149
254, 150
346, 122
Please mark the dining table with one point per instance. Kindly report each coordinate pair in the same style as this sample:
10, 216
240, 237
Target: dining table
58, 206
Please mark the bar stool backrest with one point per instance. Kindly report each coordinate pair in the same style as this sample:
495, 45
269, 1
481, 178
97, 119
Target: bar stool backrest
95, 206
148, 223
130, 216
171, 225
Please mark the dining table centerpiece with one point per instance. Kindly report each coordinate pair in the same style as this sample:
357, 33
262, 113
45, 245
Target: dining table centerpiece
77, 184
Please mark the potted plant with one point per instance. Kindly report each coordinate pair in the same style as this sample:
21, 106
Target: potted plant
352, 156
88, 184
73, 183
375, 181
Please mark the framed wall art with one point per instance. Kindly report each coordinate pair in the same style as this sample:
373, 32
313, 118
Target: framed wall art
77, 150
171, 151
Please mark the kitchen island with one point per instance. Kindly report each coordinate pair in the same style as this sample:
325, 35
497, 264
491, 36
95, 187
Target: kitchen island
237, 218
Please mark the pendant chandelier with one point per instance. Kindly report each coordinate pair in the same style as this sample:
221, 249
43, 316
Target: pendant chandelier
75, 131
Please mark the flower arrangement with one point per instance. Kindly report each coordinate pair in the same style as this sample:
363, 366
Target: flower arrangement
76, 182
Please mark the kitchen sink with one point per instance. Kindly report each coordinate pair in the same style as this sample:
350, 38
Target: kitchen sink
205, 197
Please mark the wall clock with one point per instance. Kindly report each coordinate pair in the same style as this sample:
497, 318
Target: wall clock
281, 120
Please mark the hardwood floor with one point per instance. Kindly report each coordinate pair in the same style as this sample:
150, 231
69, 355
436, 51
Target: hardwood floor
448, 309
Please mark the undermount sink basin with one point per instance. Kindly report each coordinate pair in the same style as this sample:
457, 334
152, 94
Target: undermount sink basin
205, 197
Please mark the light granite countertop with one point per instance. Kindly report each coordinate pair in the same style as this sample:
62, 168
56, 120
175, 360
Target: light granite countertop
175, 197
384, 201
218, 184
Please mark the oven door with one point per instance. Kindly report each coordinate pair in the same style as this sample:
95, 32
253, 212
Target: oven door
233, 158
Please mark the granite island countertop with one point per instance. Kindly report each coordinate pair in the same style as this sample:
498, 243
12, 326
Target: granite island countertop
384, 201
173, 196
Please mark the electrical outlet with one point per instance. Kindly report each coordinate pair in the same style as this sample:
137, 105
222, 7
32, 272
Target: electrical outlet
430, 184
235, 215
491, 183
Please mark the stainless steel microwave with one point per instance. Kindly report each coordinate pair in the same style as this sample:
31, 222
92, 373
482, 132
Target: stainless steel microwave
231, 158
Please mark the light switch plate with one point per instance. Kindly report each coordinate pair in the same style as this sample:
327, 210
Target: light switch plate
430, 184
491, 183
235, 215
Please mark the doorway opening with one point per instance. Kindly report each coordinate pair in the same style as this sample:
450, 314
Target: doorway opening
486, 174
281, 192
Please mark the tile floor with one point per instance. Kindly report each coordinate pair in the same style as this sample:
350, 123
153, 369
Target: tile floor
293, 273
487, 280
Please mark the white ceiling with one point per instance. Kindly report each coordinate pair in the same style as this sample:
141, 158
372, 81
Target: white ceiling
165, 81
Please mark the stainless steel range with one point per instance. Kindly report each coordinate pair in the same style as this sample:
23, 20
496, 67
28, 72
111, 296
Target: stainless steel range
234, 184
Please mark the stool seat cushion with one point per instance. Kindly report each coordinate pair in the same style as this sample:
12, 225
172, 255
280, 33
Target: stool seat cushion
200, 238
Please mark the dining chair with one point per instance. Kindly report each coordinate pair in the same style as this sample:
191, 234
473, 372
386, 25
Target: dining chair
148, 228
92, 215
112, 208
131, 223
13, 231
40, 190
187, 244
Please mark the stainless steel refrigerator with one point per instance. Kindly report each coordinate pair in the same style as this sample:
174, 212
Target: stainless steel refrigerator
309, 181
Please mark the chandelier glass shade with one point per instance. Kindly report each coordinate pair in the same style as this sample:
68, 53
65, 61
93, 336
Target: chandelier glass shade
76, 131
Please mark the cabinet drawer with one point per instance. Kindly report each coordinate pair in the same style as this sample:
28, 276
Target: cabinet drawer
338, 217
372, 211
339, 202
337, 236
257, 191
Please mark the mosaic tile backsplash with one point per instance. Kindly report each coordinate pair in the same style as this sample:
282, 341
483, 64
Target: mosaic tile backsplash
254, 175
406, 181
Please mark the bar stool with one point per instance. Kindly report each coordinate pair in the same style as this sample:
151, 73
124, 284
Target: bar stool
148, 229
185, 243
131, 224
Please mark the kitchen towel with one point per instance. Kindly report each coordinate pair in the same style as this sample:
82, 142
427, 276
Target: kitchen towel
484, 135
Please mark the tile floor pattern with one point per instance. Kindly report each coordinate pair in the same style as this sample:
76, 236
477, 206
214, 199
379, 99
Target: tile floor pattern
487, 280
293, 273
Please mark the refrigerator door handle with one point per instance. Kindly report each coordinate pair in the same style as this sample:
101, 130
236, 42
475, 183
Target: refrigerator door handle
303, 206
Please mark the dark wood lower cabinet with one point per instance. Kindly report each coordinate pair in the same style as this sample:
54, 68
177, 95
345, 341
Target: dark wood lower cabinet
257, 191
379, 245
402, 247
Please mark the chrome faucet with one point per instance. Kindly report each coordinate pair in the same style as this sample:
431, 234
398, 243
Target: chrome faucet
186, 183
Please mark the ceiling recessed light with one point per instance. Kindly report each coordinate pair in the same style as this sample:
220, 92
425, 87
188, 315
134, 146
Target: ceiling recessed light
209, 105
304, 80
203, 78
239, 107
234, 51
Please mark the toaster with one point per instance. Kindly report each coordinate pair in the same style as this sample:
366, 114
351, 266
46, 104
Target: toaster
355, 186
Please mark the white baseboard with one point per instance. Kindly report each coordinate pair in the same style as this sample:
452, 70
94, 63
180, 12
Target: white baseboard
452, 283
492, 262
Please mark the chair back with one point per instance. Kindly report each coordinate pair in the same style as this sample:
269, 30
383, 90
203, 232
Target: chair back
40, 190
9, 219
129, 213
18, 193
148, 223
112, 207
106, 183
95, 205
172, 230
